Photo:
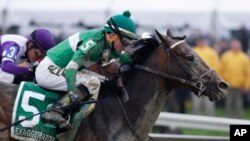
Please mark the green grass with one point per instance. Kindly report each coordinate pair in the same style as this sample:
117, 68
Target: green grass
186, 131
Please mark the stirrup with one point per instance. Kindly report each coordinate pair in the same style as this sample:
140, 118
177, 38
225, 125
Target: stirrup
66, 125
59, 121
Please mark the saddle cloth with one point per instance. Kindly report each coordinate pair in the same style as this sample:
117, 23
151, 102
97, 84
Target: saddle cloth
32, 99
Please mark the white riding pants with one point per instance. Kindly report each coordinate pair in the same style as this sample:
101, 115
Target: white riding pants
49, 76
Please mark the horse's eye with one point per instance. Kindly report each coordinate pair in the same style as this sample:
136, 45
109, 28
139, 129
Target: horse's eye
190, 58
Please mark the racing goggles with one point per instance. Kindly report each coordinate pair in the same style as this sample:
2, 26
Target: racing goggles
125, 38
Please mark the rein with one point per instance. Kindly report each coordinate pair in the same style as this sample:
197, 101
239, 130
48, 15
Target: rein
198, 85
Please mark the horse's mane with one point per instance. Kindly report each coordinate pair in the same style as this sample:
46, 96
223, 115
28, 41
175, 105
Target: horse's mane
142, 49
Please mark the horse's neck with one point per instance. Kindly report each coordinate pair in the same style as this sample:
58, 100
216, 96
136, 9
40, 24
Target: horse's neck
148, 93
146, 102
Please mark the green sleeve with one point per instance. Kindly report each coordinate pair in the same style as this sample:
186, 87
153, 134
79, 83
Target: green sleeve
124, 58
78, 57
70, 75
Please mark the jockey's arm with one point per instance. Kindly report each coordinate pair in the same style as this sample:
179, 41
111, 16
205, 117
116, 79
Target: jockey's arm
71, 69
10, 51
76, 62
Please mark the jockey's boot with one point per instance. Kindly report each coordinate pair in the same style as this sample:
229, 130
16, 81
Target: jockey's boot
56, 116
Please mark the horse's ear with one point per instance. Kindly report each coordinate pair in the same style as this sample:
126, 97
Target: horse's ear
159, 35
161, 38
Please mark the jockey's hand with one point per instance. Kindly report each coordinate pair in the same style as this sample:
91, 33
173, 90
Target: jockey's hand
125, 67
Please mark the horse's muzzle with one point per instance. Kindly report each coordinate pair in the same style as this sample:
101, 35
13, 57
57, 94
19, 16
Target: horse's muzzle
223, 89
220, 92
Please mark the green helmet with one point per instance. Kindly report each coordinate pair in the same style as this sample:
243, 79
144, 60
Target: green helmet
122, 25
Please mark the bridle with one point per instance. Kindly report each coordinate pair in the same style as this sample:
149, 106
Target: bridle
196, 80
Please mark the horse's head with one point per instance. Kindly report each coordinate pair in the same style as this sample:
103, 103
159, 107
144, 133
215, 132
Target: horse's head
186, 67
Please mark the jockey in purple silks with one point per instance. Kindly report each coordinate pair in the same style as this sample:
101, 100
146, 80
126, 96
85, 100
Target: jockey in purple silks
17, 49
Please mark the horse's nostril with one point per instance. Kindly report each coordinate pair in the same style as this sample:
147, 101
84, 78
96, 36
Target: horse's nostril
223, 85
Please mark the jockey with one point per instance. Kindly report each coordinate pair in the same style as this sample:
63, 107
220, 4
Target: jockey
17, 49
60, 68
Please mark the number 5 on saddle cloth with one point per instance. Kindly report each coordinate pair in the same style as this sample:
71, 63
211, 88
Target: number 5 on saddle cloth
31, 100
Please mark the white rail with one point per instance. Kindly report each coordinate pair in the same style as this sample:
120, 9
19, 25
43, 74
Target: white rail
174, 120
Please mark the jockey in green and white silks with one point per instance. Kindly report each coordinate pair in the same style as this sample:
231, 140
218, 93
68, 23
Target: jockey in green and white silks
60, 68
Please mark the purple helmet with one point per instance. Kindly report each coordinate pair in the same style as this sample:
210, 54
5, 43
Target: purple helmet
43, 39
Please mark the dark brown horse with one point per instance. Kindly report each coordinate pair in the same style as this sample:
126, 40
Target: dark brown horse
158, 68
